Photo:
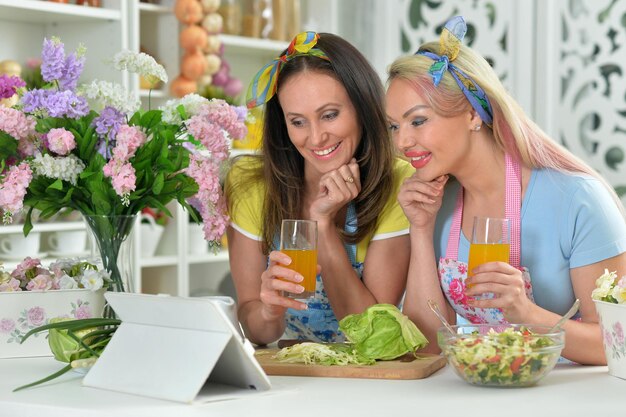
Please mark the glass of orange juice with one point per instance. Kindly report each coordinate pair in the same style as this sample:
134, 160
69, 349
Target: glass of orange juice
491, 242
298, 240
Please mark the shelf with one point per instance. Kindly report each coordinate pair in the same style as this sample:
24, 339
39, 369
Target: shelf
221, 256
33, 11
154, 8
253, 46
43, 227
164, 260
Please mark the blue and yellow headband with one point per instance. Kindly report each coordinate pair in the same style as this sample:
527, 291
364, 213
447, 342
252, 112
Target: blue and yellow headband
263, 86
450, 43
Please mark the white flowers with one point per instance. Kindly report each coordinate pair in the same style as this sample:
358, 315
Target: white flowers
107, 93
140, 63
609, 288
93, 280
191, 103
67, 168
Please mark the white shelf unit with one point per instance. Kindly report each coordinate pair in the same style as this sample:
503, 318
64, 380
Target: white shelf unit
103, 30
130, 24
154, 30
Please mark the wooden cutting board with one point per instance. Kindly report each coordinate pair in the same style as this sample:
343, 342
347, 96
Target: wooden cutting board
402, 368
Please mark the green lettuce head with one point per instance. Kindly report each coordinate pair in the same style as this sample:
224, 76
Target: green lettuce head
382, 332
63, 346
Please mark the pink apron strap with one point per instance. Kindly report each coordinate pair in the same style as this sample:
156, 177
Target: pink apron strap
452, 250
513, 208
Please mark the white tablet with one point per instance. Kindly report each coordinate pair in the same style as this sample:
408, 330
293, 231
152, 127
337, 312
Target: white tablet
169, 347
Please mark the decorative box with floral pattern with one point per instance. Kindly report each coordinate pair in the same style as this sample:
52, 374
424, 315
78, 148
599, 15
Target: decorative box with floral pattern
610, 299
31, 295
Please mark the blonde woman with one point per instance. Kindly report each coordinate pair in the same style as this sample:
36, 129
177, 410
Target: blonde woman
476, 153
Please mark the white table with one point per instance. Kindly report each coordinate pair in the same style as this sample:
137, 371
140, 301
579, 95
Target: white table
568, 391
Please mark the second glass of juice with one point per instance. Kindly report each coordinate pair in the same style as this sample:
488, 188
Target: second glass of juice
491, 242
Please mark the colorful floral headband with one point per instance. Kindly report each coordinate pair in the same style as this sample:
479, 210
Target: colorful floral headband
263, 85
450, 42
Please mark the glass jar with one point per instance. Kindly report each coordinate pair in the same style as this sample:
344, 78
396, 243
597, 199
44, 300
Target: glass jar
230, 10
251, 18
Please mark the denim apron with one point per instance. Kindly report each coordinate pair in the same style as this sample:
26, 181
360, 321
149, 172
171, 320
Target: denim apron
319, 323
452, 273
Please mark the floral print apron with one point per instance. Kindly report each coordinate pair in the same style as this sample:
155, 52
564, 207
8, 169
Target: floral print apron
452, 273
319, 323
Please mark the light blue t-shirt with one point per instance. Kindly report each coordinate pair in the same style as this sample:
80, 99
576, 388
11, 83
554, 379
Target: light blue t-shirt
568, 221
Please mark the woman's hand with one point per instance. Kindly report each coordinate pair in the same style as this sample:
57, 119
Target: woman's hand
507, 285
421, 200
275, 279
336, 189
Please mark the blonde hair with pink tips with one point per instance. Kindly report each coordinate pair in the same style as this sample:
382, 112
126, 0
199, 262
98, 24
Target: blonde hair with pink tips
513, 131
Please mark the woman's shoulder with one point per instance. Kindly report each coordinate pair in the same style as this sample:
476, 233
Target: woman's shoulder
560, 184
245, 175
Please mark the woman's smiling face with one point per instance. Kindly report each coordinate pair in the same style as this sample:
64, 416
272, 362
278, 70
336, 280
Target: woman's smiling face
435, 145
321, 120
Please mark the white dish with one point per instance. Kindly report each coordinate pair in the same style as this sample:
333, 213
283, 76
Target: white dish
69, 254
14, 257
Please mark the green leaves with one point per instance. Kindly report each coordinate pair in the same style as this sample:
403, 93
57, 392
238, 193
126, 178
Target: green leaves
74, 340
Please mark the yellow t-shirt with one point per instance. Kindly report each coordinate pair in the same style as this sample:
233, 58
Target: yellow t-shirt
246, 216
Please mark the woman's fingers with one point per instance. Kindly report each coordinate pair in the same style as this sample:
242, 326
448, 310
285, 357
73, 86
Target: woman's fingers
277, 279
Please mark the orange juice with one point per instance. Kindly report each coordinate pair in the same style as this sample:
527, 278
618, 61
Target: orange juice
481, 253
305, 263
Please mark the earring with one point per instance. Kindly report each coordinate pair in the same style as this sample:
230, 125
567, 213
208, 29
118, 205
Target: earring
476, 128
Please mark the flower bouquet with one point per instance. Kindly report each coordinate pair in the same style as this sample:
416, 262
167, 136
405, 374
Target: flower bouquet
91, 149
609, 297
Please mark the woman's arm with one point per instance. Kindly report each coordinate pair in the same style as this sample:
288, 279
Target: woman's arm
583, 340
261, 307
421, 202
423, 285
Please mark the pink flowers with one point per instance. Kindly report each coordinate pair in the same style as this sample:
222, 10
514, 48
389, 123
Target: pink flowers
457, 292
30, 275
121, 172
60, 141
213, 123
16, 123
13, 189
36, 316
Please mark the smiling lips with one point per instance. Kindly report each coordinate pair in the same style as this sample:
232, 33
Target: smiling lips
323, 153
419, 159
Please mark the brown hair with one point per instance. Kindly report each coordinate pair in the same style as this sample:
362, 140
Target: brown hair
281, 167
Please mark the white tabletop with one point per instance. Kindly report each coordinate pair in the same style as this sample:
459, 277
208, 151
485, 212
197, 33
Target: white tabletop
569, 390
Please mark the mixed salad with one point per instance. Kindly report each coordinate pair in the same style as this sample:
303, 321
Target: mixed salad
515, 356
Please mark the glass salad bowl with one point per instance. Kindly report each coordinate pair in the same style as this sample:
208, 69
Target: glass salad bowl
515, 355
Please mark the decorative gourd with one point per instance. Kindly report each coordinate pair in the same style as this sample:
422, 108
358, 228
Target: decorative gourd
182, 86
193, 65
213, 23
213, 63
188, 12
193, 38
213, 45
233, 87
205, 80
210, 6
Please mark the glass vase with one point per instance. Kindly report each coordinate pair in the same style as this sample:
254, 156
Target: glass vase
112, 241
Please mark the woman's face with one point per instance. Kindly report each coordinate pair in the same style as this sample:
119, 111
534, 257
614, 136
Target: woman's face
321, 121
434, 145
